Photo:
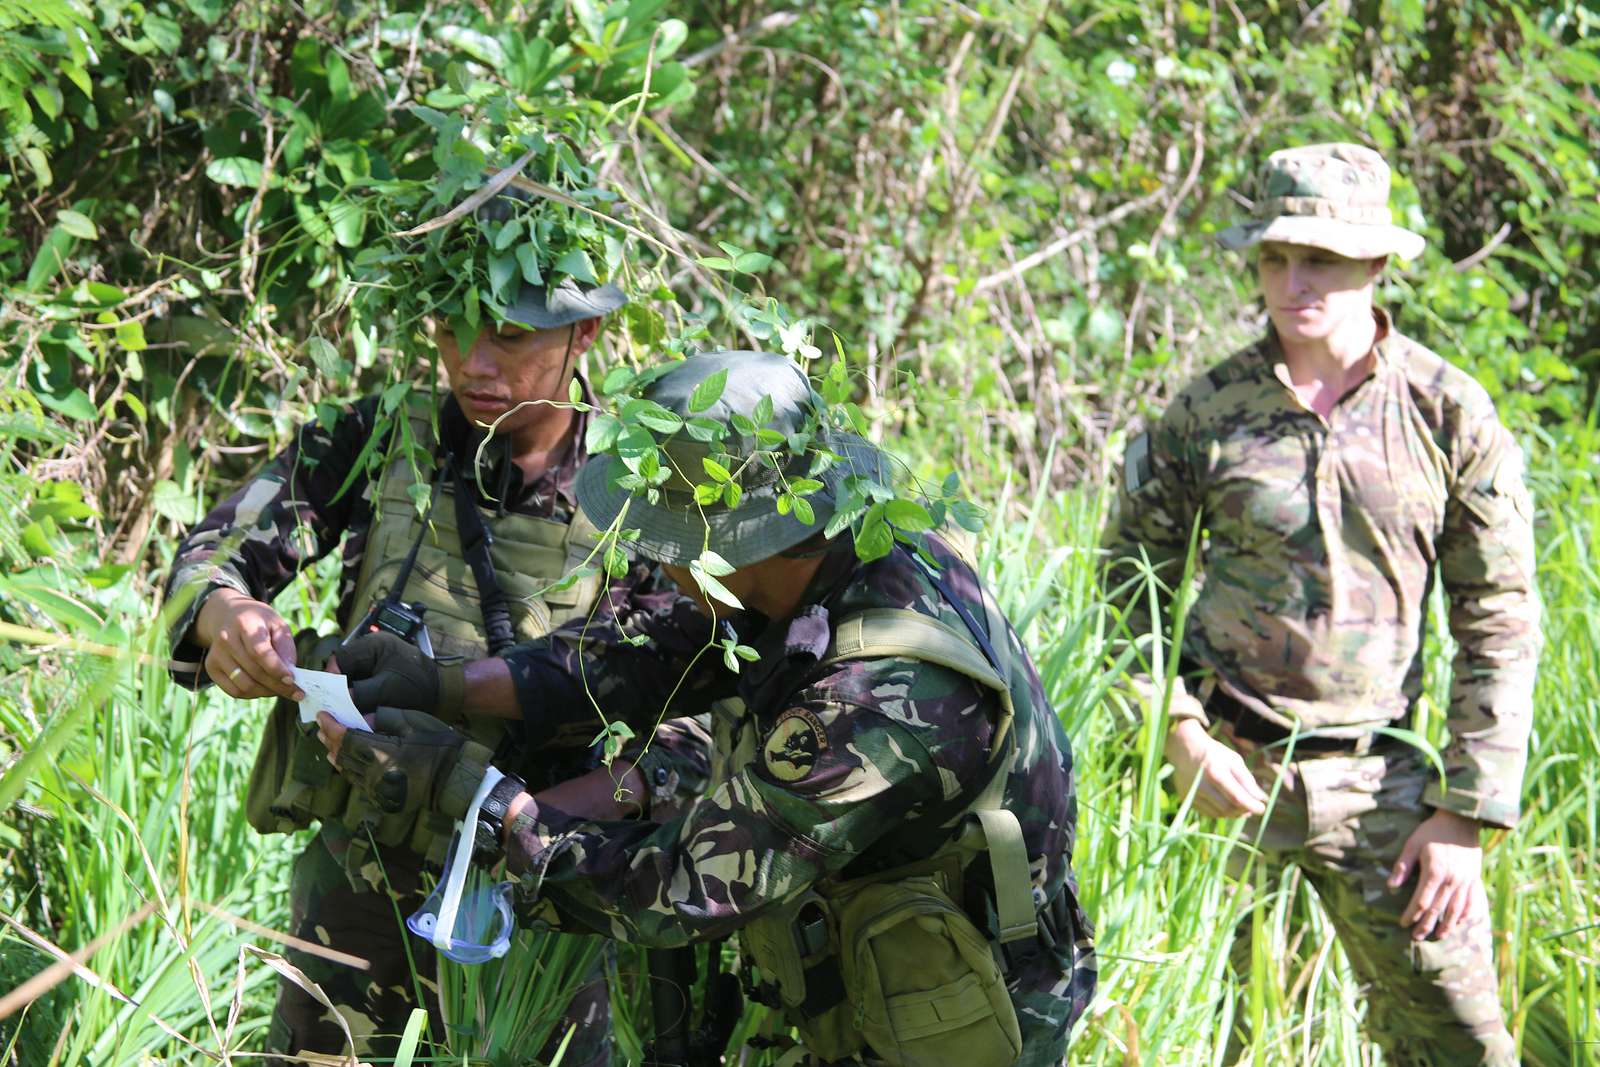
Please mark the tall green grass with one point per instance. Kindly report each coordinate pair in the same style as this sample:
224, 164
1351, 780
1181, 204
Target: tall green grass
143, 807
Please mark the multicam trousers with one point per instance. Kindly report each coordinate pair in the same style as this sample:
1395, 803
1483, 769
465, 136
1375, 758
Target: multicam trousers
326, 908
1344, 820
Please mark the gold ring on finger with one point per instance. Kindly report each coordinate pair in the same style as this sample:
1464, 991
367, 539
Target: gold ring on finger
233, 674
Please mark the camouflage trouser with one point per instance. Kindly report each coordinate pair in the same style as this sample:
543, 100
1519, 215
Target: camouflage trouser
1343, 820
326, 909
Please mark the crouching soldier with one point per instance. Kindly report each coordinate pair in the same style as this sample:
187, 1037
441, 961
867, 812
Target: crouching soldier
892, 819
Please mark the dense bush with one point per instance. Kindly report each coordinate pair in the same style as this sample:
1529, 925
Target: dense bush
1001, 212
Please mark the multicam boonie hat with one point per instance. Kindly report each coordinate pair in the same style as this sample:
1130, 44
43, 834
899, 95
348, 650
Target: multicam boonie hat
676, 530
542, 307
1332, 196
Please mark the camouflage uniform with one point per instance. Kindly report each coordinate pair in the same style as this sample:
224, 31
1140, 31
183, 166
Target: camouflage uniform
886, 742
280, 522
1320, 543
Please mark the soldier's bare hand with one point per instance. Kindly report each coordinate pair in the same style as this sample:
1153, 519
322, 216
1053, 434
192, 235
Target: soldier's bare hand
249, 648
1447, 858
1222, 783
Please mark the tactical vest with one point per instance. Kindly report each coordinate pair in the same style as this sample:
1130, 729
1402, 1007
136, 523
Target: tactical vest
292, 783
891, 962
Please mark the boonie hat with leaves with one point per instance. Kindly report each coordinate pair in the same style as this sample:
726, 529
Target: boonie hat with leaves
1332, 196
743, 462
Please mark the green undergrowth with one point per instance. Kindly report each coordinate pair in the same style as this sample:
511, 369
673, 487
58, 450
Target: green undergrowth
133, 832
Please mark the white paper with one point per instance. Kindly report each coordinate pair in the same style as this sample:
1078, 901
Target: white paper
330, 693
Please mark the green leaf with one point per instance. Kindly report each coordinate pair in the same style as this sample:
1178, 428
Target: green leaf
709, 391
908, 515
712, 563
715, 262
713, 589
76, 223
528, 259
875, 539
326, 358
616, 380
803, 512
75, 405
968, 515
763, 413
707, 493
130, 335
841, 518
603, 433
804, 486
164, 33
751, 262
501, 269
171, 501
659, 419
703, 429
715, 469
238, 171
576, 264
731, 494
575, 392
616, 561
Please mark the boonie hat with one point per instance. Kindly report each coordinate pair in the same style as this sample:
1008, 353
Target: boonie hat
1332, 196
676, 529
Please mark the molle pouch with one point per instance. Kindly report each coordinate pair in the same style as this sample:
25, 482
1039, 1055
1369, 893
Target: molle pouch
923, 982
292, 784
797, 950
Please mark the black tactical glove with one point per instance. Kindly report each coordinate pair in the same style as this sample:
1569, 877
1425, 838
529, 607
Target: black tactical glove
385, 671
413, 762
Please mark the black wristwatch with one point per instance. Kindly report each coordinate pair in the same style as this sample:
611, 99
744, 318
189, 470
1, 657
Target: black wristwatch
492, 815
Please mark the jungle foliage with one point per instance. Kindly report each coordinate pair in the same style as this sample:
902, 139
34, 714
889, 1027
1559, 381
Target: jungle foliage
997, 213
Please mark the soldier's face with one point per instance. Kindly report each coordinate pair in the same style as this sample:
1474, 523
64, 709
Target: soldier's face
1311, 292
509, 366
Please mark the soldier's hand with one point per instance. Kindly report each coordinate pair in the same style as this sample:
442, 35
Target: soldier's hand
385, 671
411, 762
1447, 857
249, 648
1226, 789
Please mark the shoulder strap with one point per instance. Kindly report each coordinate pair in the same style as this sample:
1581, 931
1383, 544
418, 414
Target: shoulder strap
991, 828
878, 632
476, 542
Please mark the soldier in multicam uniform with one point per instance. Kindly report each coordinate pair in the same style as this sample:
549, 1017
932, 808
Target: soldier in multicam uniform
1331, 468
890, 733
319, 493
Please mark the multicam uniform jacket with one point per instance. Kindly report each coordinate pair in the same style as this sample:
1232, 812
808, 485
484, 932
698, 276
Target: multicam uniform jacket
850, 756
1321, 539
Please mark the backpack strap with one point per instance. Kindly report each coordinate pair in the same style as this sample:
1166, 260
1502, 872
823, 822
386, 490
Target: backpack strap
991, 828
879, 632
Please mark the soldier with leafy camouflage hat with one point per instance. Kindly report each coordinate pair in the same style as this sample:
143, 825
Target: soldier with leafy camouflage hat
1331, 470
492, 462
891, 823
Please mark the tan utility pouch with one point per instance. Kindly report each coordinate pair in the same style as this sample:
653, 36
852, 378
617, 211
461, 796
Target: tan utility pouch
292, 783
924, 984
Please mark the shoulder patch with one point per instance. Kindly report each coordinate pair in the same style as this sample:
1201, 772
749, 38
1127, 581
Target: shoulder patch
1137, 470
792, 749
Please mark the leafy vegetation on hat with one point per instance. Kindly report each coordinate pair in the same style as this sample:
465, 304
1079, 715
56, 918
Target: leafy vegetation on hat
504, 198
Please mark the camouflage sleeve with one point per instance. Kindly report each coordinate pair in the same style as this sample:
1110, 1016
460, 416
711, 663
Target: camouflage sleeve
280, 521
1146, 545
1486, 561
675, 763
831, 778
641, 646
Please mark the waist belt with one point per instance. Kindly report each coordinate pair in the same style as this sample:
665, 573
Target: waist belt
1250, 726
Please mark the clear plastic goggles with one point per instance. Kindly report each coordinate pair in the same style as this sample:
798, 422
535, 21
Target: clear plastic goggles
468, 916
